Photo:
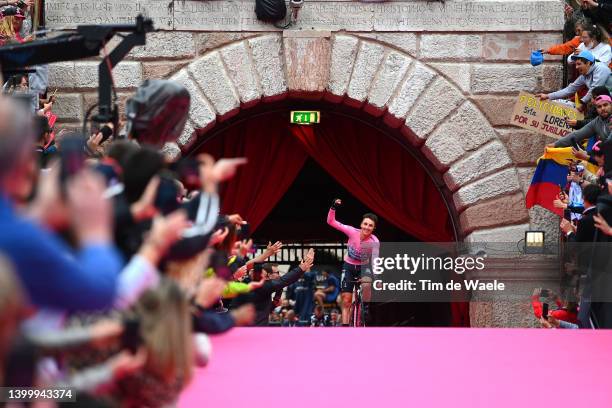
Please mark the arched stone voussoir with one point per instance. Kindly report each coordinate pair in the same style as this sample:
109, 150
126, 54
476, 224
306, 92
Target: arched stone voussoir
392, 71
417, 80
452, 140
490, 158
497, 184
214, 81
369, 58
308, 61
241, 70
269, 60
432, 107
343, 54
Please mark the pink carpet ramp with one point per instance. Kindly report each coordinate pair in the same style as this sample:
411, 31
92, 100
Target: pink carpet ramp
405, 367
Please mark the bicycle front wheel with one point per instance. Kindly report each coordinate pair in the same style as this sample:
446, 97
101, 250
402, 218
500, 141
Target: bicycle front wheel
356, 317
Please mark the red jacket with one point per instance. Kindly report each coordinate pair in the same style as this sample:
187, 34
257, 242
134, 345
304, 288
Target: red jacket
559, 314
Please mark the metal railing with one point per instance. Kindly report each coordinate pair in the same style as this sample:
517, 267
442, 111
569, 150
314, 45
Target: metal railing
293, 252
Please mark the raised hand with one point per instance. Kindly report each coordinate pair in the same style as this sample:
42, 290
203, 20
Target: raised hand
144, 208
602, 224
218, 236
91, 214
236, 219
273, 249
225, 169
308, 260
209, 291
167, 230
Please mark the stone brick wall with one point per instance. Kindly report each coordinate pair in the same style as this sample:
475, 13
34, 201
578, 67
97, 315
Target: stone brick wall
467, 82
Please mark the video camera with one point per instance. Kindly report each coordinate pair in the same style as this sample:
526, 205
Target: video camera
85, 41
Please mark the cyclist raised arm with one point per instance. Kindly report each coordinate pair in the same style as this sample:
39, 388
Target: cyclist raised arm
362, 244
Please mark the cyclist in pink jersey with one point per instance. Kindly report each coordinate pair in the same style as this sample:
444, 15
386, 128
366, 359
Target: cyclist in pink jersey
362, 248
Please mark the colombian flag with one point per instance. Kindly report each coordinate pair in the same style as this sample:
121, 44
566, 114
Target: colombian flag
551, 173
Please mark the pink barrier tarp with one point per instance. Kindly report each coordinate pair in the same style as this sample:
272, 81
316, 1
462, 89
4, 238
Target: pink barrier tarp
401, 367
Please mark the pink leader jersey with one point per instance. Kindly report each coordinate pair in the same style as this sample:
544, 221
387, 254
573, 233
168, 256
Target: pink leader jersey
358, 253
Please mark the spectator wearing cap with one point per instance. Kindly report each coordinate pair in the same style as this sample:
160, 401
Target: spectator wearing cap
592, 74
598, 126
11, 21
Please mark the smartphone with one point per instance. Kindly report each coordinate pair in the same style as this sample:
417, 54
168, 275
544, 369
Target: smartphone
131, 339
72, 156
106, 133
188, 171
166, 200
545, 310
567, 214
244, 232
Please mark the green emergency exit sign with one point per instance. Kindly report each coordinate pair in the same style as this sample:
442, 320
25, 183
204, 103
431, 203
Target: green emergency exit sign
305, 117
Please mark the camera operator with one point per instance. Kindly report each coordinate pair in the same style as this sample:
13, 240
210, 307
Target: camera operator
262, 297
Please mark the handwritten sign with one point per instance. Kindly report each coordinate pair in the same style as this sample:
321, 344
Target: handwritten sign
544, 117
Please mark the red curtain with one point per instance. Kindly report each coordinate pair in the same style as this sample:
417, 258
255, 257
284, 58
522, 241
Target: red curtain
381, 174
275, 159
372, 166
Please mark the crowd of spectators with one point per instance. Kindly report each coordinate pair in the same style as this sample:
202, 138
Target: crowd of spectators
585, 198
116, 263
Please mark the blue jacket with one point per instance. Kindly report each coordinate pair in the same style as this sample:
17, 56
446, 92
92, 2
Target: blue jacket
51, 274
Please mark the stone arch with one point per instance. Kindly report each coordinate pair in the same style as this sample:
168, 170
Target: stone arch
383, 80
